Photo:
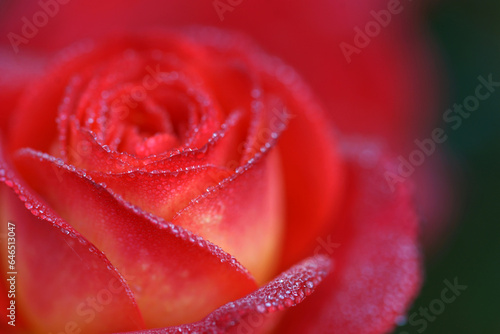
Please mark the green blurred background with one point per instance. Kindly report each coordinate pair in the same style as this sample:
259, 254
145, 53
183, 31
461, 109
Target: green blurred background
468, 33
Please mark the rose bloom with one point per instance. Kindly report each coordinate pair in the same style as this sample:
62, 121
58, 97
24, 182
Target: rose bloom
186, 181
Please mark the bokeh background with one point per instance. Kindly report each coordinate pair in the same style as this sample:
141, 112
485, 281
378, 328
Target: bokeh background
467, 33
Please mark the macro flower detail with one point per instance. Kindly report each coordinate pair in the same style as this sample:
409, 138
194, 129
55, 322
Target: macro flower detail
183, 181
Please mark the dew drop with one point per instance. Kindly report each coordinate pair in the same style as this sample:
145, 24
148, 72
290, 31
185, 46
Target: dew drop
203, 149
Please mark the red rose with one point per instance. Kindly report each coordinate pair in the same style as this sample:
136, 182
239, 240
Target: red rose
370, 62
190, 181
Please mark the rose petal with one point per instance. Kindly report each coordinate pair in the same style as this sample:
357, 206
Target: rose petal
313, 172
243, 214
63, 282
377, 259
94, 157
312, 168
163, 193
256, 312
153, 251
439, 194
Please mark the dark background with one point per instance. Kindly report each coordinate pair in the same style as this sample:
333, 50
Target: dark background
468, 34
